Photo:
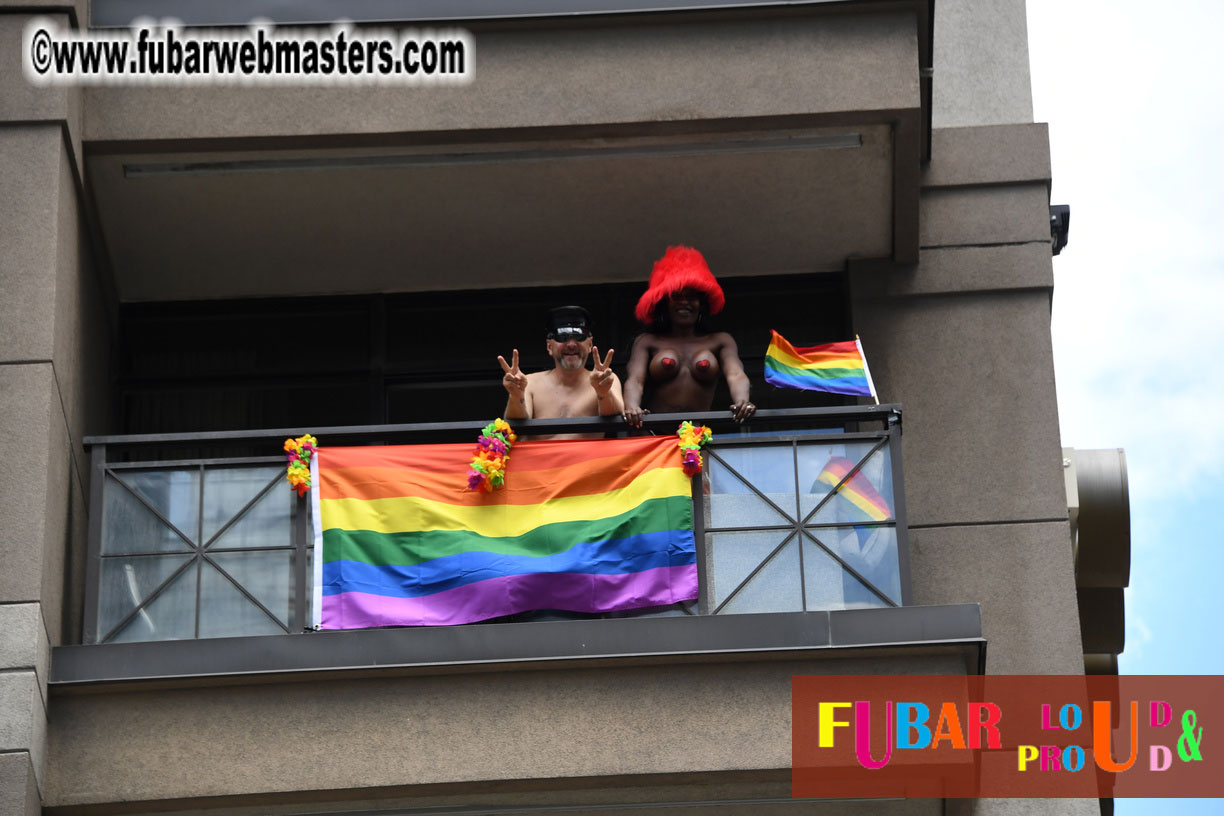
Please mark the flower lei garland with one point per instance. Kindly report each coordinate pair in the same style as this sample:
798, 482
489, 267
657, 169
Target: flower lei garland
300, 451
692, 437
488, 468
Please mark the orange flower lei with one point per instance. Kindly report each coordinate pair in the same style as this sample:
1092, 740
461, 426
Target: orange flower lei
692, 437
488, 469
300, 451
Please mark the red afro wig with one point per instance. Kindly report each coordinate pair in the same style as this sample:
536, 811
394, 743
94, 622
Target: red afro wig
680, 267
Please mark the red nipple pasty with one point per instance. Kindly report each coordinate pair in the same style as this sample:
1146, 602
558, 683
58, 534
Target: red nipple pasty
705, 367
665, 365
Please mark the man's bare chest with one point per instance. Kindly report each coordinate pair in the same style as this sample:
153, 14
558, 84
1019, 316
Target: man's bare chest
561, 401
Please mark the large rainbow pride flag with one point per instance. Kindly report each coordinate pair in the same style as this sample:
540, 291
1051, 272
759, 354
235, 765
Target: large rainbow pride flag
584, 526
839, 368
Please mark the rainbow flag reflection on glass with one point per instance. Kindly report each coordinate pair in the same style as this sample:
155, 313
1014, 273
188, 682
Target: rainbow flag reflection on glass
863, 502
866, 501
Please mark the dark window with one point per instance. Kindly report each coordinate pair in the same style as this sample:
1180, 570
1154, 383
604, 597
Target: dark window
322, 361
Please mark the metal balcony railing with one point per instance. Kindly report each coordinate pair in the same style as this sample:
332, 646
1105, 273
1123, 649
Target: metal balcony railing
192, 536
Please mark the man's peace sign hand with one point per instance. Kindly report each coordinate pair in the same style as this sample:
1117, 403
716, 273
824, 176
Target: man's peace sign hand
515, 380
602, 376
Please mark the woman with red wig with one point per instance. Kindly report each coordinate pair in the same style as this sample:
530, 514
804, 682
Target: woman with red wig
679, 354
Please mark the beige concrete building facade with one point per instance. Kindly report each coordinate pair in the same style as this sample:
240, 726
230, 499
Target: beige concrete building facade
885, 148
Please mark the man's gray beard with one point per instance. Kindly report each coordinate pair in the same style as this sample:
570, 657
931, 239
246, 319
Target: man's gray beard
569, 363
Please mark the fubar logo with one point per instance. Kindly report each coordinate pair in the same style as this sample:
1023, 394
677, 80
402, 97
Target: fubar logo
910, 729
1005, 736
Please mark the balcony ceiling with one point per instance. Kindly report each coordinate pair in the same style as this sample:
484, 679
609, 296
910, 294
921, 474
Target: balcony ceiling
206, 224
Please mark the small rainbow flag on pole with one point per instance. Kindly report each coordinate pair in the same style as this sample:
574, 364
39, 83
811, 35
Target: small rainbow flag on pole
585, 526
839, 368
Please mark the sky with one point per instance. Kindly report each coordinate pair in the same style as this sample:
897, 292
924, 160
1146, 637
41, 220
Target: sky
1134, 97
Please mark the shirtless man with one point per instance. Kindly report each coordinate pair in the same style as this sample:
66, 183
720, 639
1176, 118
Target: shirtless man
568, 389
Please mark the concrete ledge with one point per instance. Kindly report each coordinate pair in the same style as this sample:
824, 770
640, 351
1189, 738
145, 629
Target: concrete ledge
979, 216
363, 735
463, 649
947, 270
122, 13
764, 792
682, 67
997, 154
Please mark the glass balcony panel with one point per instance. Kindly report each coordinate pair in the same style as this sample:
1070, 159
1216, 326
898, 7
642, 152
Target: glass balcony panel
774, 589
175, 494
768, 466
871, 552
131, 527
226, 612
228, 490
733, 503
733, 556
126, 582
267, 524
866, 496
267, 575
171, 616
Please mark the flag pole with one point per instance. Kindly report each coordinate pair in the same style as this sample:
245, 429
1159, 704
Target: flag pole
870, 382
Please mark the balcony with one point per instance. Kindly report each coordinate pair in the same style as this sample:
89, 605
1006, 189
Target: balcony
200, 555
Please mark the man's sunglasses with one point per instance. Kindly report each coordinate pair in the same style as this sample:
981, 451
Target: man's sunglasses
564, 334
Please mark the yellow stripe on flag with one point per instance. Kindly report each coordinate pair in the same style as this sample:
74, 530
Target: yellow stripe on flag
410, 513
784, 353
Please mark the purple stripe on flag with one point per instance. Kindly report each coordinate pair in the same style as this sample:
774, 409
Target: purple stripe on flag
574, 592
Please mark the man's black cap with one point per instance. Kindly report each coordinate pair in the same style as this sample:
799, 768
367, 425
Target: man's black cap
568, 316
